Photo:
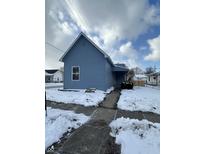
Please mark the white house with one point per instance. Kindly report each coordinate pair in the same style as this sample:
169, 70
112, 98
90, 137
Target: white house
53, 75
139, 80
153, 78
140, 77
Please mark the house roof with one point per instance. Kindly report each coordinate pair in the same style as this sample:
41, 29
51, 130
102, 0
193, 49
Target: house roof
100, 50
120, 65
48, 74
52, 71
140, 77
154, 74
116, 67
120, 68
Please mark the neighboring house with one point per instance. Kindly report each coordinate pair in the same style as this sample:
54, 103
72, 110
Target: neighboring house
53, 75
139, 79
87, 66
48, 77
153, 78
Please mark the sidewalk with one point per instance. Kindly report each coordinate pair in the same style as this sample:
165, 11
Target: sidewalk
93, 137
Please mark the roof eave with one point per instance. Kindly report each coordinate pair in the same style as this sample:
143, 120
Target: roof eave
61, 59
119, 69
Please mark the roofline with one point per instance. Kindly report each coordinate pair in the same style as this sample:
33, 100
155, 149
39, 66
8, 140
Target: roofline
122, 68
48, 74
51, 69
80, 34
69, 47
56, 70
157, 73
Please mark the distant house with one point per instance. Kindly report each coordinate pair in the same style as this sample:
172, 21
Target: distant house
153, 78
53, 75
139, 80
87, 66
140, 77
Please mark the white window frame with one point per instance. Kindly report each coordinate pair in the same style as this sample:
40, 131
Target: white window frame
75, 73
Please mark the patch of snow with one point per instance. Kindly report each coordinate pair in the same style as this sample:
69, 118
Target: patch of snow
136, 137
140, 77
109, 90
48, 85
58, 122
154, 87
76, 97
140, 99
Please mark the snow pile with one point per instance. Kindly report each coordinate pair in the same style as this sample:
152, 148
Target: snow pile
109, 90
140, 99
58, 122
140, 77
48, 85
154, 87
76, 97
136, 137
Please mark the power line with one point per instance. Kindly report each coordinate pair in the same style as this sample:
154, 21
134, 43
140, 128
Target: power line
54, 46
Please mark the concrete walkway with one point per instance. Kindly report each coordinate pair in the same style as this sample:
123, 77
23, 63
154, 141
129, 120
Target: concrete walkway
93, 137
110, 101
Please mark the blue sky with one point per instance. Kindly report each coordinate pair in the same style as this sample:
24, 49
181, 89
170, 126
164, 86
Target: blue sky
128, 31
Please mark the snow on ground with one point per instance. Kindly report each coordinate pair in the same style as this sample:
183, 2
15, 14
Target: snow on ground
154, 87
50, 85
76, 97
109, 90
58, 122
140, 99
136, 137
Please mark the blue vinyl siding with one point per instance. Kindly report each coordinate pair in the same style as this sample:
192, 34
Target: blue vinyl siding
96, 68
92, 67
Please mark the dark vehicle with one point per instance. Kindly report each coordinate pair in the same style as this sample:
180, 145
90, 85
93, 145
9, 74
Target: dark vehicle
127, 85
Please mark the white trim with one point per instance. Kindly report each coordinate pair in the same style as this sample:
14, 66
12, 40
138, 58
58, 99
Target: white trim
75, 73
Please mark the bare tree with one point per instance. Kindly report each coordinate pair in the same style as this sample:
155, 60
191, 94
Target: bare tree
130, 74
150, 70
138, 70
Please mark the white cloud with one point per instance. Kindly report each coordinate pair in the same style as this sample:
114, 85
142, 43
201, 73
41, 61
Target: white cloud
60, 15
106, 22
127, 54
60, 31
127, 49
114, 20
154, 45
67, 29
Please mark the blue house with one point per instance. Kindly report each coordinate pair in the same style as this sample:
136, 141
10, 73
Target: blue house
87, 66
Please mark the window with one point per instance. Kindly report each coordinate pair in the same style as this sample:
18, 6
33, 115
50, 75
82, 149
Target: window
75, 73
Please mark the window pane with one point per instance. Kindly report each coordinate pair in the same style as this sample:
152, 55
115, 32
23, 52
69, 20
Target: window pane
76, 76
76, 70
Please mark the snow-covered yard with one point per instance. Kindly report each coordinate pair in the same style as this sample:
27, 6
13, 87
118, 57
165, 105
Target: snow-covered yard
50, 85
76, 97
140, 99
136, 137
58, 122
